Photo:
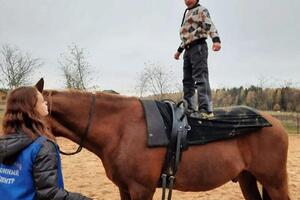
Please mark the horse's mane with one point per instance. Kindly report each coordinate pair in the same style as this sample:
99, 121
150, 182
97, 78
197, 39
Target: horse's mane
111, 96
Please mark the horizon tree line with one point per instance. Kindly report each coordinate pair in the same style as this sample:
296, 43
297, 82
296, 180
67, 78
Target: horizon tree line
155, 79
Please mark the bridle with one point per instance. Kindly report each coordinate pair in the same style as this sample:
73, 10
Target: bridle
87, 128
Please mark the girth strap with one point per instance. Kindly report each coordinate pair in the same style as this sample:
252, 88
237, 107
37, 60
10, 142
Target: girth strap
176, 145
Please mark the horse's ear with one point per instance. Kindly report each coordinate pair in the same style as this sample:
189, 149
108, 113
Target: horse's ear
40, 85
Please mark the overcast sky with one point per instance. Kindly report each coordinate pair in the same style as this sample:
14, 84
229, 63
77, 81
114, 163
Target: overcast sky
260, 38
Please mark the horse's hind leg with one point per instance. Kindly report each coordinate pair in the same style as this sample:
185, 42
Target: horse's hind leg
248, 186
276, 188
276, 193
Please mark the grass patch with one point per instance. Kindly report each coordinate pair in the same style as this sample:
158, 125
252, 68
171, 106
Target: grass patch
288, 119
290, 127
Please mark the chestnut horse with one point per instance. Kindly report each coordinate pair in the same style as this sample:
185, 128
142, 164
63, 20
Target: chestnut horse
117, 135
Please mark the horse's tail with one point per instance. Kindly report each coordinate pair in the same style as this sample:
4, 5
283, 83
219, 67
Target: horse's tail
248, 185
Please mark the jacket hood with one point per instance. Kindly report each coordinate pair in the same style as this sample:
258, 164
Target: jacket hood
11, 145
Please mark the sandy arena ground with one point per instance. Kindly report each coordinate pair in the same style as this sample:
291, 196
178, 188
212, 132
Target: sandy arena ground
84, 173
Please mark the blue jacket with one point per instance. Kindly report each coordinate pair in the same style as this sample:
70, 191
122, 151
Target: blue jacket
31, 170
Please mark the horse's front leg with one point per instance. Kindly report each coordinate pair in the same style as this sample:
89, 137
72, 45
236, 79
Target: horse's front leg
140, 192
248, 186
124, 194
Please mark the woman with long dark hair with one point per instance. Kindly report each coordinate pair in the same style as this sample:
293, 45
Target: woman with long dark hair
30, 165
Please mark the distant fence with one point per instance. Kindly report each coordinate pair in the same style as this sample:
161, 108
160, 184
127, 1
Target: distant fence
291, 121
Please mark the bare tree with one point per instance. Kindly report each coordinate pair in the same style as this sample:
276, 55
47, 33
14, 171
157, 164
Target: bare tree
15, 67
263, 82
154, 79
75, 68
141, 86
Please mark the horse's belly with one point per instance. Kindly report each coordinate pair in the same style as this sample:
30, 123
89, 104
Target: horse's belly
206, 167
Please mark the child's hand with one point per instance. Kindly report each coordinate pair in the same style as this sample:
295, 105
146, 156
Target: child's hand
216, 46
177, 55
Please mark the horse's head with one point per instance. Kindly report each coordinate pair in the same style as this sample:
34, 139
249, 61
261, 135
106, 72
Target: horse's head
68, 111
53, 118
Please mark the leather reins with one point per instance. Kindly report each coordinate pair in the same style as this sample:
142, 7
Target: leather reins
87, 128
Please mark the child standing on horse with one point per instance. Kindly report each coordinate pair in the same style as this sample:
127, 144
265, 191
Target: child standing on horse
30, 165
195, 27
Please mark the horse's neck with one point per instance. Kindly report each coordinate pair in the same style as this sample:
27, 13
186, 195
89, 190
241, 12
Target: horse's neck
110, 116
106, 119
69, 114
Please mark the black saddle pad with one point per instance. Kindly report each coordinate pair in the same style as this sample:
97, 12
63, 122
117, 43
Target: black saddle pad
227, 123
